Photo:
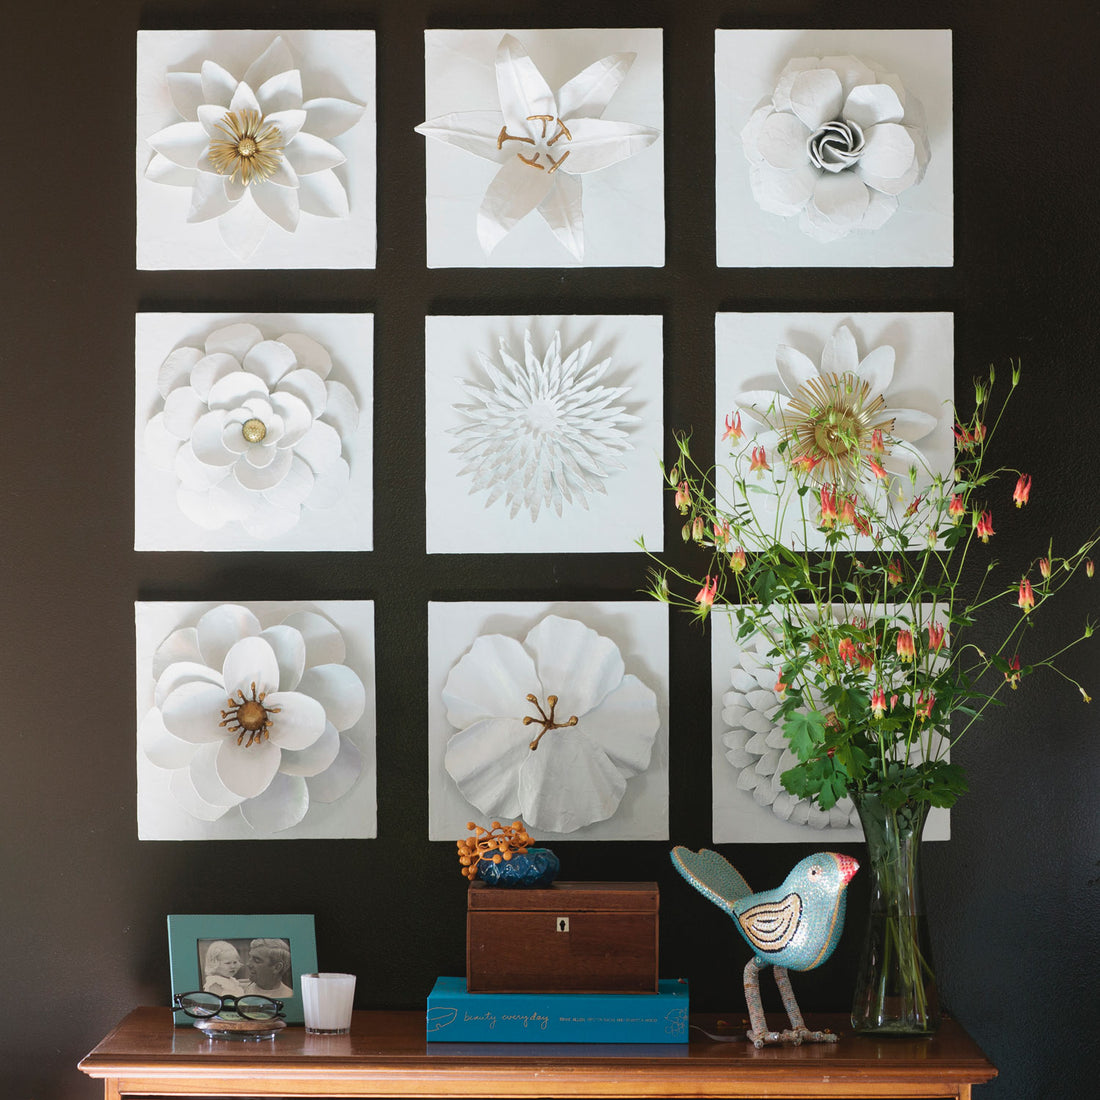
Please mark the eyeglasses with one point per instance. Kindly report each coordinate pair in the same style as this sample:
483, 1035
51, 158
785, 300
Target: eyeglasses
252, 1006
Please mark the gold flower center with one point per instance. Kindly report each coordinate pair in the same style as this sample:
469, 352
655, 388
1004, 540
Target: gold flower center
560, 131
254, 430
249, 716
251, 148
545, 720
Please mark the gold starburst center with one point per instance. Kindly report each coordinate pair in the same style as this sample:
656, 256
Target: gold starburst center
251, 148
830, 421
254, 430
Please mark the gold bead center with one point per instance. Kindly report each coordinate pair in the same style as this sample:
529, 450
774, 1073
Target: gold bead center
251, 715
254, 430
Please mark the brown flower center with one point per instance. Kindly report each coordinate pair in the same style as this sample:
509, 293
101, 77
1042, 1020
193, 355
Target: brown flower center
249, 716
545, 720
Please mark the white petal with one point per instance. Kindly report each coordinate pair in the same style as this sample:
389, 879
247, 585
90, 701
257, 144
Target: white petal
232, 390
276, 59
206, 440
294, 489
514, 192
282, 805
161, 747
782, 94
868, 104
474, 131
295, 413
879, 211
563, 213
182, 143
211, 116
308, 352
329, 117
208, 198
889, 152
260, 478
795, 369
233, 340
322, 195
221, 628
492, 680
161, 170
339, 690
320, 446
204, 777
912, 424
324, 642
624, 725
268, 520
284, 175
182, 409
183, 791
279, 93
218, 85
289, 124
841, 199
193, 710
309, 153
243, 227
781, 141
316, 757
246, 771
877, 368
330, 485
250, 667
186, 92
816, 97
209, 369
485, 761
289, 648
574, 662
341, 409
566, 784
270, 359
840, 354
307, 386
244, 99
851, 70
587, 94
598, 143
280, 204
159, 444
520, 86
297, 721
782, 191
340, 776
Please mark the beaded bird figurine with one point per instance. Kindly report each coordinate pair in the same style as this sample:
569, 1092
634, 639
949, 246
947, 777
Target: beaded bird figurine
794, 927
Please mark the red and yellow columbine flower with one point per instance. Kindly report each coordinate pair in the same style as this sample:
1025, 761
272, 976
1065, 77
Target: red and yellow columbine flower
780, 686
878, 447
805, 463
906, 650
847, 651
1013, 674
1026, 599
705, 596
878, 702
968, 437
698, 526
828, 506
733, 427
848, 510
759, 461
923, 707
1044, 568
738, 561
893, 572
935, 637
956, 509
1090, 567
877, 469
1022, 490
721, 532
984, 525
683, 497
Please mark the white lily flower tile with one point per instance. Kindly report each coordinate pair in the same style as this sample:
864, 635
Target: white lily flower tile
481, 655
604, 206
293, 757
543, 434
907, 358
778, 206
198, 491
312, 204
749, 754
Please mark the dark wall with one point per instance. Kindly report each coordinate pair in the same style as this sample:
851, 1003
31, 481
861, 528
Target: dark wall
1013, 895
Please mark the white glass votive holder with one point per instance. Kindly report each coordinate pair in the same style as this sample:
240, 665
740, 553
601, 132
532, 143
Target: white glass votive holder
326, 1003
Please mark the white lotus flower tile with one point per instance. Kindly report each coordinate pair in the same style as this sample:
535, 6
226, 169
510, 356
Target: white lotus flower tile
243, 732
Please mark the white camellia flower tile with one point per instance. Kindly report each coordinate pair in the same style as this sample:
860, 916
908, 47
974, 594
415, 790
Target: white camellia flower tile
544, 147
833, 148
749, 753
807, 359
253, 431
255, 149
543, 434
255, 721
601, 777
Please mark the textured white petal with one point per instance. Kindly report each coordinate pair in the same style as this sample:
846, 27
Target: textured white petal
206, 440
161, 170
513, 193
250, 667
795, 369
203, 773
322, 195
220, 628
283, 804
294, 489
781, 141
182, 409
309, 153
182, 143
783, 191
521, 88
308, 352
816, 97
275, 59
324, 642
162, 748
869, 104
339, 690
247, 771
879, 211
842, 199
563, 213
297, 720
218, 85
341, 409
233, 389
289, 124
297, 419
193, 710
320, 447
840, 354
233, 340
340, 776
492, 680
877, 368
329, 117
270, 359
624, 725
781, 97
280, 204
289, 648
473, 131
186, 92
206, 507
159, 444
183, 791
258, 478
308, 387
587, 94
567, 784
316, 757
912, 424
574, 662
244, 99
183, 672
485, 759
269, 520
598, 143
280, 94
889, 153
209, 369
243, 227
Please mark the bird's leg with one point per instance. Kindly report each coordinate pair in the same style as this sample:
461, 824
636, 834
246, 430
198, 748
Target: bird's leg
799, 1032
759, 1034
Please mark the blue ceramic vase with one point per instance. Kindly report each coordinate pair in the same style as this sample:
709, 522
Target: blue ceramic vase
539, 867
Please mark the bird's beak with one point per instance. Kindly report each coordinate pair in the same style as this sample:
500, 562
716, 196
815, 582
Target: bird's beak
848, 868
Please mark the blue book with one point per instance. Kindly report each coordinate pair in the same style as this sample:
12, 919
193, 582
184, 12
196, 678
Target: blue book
457, 1016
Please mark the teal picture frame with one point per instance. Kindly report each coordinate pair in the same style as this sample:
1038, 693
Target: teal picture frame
190, 935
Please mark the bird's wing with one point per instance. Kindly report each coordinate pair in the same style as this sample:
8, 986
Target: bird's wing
712, 875
771, 925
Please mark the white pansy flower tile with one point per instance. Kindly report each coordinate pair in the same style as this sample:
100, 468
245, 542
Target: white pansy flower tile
556, 714
833, 148
255, 721
253, 432
544, 148
255, 149
543, 434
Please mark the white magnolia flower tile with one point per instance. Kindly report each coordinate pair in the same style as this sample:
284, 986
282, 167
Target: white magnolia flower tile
543, 434
543, 147
749, 754
833, 148
255, 721
605, 663
255, 149
253, 432
791, 361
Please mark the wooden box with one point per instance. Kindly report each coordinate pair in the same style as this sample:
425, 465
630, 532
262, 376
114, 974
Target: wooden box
571, 937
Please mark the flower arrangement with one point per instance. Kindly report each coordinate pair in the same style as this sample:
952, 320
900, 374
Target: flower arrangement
869, 634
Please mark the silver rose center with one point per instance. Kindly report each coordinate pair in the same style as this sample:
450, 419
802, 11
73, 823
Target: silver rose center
835, 146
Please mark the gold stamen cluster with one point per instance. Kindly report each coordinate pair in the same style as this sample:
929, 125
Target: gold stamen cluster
561, 132
545, 720
497, 844
251, 148
249, 716
830, 421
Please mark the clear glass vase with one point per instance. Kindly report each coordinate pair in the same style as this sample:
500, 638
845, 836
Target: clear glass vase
896, 983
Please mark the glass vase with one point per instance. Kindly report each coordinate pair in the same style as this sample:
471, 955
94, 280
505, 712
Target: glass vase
896, 983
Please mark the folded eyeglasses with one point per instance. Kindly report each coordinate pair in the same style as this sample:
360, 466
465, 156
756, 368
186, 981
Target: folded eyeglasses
202, 1006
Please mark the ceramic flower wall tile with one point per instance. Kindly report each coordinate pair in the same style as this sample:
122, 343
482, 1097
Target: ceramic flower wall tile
543, 434
555, 713
834, 379
544, 148
833, 148
749, 754
253, 432
255, 721
255, 149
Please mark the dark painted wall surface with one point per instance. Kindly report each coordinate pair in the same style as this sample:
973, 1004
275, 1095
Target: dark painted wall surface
1014, 893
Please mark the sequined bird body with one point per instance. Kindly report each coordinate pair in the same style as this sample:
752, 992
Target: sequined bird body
796, 926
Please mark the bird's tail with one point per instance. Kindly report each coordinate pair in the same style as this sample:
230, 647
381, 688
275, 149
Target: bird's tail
712, 875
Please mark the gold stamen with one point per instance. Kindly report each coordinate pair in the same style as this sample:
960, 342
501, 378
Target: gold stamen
250, 148
545, 720
249, 716
563, 131
560, 161
533, 161
544, 119
504, 136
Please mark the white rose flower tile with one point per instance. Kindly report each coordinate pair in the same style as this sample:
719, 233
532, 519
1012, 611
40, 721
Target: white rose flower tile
255, 721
